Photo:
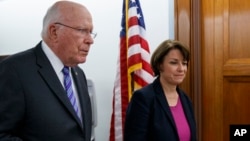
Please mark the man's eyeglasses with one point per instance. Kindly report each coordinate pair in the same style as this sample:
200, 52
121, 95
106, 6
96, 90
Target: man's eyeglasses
81, 30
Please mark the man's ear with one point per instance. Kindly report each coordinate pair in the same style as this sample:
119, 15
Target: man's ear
53, 32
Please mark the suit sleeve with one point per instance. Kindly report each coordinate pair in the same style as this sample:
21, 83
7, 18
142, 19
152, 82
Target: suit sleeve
137, 118
11, 104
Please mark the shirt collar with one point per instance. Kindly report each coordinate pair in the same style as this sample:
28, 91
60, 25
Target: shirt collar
54, 60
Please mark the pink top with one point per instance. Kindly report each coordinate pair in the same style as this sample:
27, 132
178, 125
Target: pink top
181, 121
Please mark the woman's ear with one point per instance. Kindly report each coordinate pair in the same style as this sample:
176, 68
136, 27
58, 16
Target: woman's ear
160, 67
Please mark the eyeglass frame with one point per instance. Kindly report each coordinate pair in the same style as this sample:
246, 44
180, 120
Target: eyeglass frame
81, 30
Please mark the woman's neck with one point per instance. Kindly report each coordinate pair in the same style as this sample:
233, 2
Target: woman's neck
170, 93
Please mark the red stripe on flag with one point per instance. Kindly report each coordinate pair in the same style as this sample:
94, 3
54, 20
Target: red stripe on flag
134, 40
134, 59
137, 39
145, 45
147, 67
132, 21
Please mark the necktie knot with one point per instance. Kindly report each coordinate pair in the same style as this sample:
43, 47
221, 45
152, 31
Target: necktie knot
65, 70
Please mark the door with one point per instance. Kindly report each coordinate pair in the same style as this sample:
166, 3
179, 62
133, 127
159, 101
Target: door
219, 83
225, 66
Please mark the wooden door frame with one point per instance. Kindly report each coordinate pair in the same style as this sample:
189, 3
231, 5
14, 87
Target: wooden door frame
188, 11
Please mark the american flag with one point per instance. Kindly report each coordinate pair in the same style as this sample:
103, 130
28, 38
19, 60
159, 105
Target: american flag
133, 68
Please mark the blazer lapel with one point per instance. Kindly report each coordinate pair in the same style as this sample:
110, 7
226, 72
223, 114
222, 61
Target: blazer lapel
163, 102
188, 112
185, 106
48, 74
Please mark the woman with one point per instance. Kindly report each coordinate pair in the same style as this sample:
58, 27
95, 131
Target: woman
161, 111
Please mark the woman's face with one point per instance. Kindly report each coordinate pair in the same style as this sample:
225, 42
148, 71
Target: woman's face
173, 69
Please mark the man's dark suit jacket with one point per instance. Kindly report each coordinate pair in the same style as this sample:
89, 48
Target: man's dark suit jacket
34, 105
149, 117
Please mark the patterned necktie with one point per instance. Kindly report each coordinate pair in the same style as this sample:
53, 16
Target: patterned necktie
69, 89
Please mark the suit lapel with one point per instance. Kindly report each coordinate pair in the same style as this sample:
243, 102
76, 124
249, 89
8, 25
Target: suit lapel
81, 91
49, 75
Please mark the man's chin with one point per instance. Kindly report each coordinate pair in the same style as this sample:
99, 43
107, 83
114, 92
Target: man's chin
82, 60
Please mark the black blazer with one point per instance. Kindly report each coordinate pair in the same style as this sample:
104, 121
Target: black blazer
34, 105
149, 117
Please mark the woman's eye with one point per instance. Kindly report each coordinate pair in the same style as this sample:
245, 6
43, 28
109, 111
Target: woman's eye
185, 63
173, 62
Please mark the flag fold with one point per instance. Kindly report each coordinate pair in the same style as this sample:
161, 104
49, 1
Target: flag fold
133, 67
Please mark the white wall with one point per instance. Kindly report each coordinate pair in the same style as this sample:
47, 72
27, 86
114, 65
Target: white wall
20, 27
